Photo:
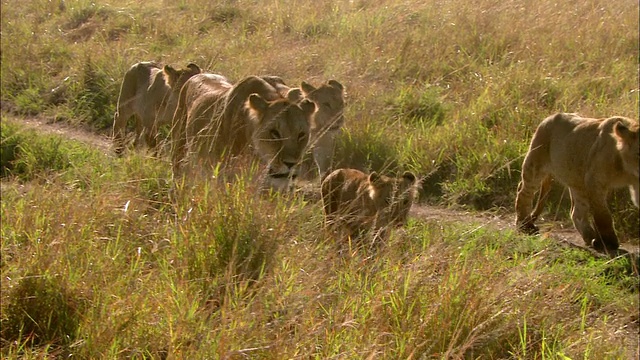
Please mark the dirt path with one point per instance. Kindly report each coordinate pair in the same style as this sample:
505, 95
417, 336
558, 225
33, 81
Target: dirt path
499, 221
103, 142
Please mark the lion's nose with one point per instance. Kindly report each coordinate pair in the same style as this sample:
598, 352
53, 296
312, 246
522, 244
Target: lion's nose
289, 164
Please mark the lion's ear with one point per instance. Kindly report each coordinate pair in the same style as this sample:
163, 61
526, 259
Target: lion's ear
306, 87
335, 84
257, 103
409, 177
308, 106
623, 133
374, 177
171, 75
169, 70
294, 95
194, 68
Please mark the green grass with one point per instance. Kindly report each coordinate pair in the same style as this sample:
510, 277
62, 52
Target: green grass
122, 265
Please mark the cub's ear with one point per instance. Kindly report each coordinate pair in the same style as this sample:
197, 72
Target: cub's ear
294, 95
194, 68
306, 87
257, 103
335, 84
374, 177
409, 177
307, 106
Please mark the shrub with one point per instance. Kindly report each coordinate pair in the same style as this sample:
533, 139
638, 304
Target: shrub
41, 310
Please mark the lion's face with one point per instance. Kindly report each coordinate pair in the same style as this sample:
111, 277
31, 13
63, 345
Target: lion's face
393, 197
281, 133
629, 149
406, 191
329, 99
627, 145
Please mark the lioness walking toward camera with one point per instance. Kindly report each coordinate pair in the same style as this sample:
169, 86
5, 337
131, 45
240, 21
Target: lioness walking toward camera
326, 124
359, 202
149, 92
589, 156
215, 118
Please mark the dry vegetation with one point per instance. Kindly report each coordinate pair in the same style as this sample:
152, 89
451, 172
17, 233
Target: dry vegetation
98, 262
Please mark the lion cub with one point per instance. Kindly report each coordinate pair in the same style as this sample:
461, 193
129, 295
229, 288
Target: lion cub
360, 202
590, 157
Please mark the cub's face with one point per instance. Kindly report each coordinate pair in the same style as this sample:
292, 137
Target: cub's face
329, 99
393, 197
406, 192
281, 133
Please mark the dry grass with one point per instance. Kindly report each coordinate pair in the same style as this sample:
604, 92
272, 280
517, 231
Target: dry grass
451, 90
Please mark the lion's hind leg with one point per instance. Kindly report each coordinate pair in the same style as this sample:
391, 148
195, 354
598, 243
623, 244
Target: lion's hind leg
606, 239
580, 215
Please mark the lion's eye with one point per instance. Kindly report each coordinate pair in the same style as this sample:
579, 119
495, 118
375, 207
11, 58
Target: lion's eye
302, 136
274, 134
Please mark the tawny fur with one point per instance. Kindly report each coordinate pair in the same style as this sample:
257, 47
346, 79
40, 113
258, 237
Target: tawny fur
149, 92
215, 118
327, 123
589, 156
358, 203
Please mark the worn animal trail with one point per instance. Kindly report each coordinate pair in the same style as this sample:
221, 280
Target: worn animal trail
498, 221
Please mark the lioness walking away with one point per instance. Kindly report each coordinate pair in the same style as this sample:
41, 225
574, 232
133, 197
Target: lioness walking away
589, 156
149, 92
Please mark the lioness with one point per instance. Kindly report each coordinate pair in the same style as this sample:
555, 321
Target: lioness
149, 92
361, 202
327, 122
590, 157
215, 118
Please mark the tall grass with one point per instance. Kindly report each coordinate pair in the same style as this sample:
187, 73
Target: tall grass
118, 267
126, 265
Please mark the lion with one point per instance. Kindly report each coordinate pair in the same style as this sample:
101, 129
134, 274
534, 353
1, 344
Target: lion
149, 92
327, 123
589, 156
359, 203
215, 118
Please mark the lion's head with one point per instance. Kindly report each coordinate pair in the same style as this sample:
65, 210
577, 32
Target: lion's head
329, 98
392, 198
363, 203
626, 136
176, 78
627, 144
281, 132
406, 192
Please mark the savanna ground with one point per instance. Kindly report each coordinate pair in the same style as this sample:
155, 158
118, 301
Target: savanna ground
99, 262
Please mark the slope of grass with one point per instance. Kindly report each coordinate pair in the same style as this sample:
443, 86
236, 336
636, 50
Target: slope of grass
100, 260
123, 265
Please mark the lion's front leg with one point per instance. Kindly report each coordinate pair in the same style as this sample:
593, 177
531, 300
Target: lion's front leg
580, 215
524, 200
606, 239
532, 176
